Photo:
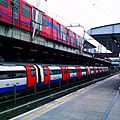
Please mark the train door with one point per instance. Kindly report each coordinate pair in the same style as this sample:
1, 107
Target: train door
26, 15
54, 29
104, 71
63, 34
65, 73
87, 72
15, 8
79, 72
74, 40
58, 31
36, 21
46, 25
94, 71
31, 75
46, 72
98, 71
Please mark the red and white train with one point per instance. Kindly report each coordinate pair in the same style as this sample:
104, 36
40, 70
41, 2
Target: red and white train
25, 16
26, 76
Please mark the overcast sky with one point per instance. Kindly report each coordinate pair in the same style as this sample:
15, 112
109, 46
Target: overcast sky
88, 13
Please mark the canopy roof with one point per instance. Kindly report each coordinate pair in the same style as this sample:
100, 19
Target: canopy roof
108, 36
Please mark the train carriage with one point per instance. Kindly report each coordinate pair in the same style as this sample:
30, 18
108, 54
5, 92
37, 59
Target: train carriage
20, 76
26, 76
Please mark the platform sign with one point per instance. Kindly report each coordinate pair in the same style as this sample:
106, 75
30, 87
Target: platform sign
106, 55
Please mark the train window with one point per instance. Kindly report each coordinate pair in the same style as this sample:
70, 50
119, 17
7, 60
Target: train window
45, 21
78, 70
63, 33
53, 72
33, 14
65, 71
72, 70
71, 34
4, 3
18, 74
39, 21
5, 75
15, 6
12, 74
83, 70
25, 10
45, 72
33, 72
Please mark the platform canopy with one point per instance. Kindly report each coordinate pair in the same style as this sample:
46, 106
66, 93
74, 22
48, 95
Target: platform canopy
88, 45
108, 36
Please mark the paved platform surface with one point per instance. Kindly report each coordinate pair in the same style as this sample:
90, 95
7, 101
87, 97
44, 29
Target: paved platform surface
100, 101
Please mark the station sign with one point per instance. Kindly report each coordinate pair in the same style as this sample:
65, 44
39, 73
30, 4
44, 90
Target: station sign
105, 55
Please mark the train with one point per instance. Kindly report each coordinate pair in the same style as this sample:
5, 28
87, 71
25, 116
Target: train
25, 76
22, 15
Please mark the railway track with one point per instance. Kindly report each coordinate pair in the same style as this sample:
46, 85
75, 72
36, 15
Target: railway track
23, 104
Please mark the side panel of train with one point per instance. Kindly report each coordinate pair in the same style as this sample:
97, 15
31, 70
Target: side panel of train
5, 11
20, 76
17, 13
26, 76
25, 16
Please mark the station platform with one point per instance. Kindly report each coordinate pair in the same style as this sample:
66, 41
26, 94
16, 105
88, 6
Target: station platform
99, 101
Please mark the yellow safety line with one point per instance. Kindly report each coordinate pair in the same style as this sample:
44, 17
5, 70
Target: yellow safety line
42, 111
55, 104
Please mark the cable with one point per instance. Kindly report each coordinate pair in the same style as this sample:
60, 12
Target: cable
101, 9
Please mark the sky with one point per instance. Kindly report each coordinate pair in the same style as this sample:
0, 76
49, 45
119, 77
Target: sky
87, 13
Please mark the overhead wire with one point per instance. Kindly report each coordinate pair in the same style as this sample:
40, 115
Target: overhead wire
106, 12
